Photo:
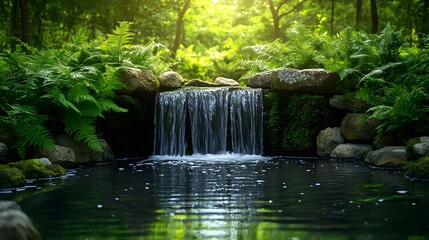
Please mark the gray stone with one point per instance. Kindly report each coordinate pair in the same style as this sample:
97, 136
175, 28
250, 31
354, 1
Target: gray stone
424, 140
312, 81
44, 160
357, 127
9, 205
170, 80
63, 156
85, 154
226, 82
327, 140
351, 150
200, 83
3, 152
422, 149
260, 80
138, 82
14, 224
352, 105
391, 156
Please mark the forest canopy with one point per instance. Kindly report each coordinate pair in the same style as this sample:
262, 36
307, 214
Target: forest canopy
205, 37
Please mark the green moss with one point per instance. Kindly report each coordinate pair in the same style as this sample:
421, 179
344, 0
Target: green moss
274, 124
418, 169
35, 169
409, 147
306, 115
11, 177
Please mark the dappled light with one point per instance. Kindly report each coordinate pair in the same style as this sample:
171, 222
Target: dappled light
214, 119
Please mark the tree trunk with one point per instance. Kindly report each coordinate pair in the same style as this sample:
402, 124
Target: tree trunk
358, 13
276, 19
374, 16
179, 26
25, 22
332, 17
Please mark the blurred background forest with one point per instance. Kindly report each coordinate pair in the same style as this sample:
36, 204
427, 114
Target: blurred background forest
205, 38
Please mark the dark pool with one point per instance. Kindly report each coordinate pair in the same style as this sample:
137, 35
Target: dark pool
269, 199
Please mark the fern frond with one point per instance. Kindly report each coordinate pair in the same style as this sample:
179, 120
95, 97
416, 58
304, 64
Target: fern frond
82, 129
109, 106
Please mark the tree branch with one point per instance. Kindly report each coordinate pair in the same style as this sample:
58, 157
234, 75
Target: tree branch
293, 9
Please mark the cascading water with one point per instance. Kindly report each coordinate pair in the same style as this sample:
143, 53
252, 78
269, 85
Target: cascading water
209, 111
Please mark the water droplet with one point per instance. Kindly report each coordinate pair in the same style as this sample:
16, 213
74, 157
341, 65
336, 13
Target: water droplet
116, 199
121, 169
302, 193
99, 206
413, 204
270, 201
402, 191
317, 184
381, 200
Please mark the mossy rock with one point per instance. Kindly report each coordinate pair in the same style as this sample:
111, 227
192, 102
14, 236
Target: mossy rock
418, 169
409, 147
11, 177
33, 169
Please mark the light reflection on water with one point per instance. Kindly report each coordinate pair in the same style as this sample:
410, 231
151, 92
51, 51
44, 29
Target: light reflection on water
223, 199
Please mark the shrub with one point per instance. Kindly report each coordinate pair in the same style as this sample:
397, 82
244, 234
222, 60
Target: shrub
11, 177
35, 169
418, 169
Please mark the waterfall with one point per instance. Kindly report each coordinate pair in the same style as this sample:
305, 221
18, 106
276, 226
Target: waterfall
201, 116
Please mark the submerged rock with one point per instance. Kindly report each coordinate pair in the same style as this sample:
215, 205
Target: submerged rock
313, 81
327, 140
391, 156
351, 150
15, 224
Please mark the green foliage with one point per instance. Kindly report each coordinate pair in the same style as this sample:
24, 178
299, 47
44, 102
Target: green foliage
274, 121
418, 169
41, 90
11, 177
306, 116
384, 70
33, 169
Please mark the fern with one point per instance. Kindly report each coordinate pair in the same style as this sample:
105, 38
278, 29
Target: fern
83, 129
29, 126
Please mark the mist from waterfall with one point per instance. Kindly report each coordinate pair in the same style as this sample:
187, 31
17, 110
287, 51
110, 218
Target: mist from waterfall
211, 121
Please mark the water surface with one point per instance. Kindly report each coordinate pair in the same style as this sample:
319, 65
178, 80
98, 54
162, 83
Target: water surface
226, 199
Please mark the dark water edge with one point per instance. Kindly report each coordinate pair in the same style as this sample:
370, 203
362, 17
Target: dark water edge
196, 199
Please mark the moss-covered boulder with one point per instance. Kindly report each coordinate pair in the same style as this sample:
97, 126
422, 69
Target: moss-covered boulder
11, 177
418, 169
36, 169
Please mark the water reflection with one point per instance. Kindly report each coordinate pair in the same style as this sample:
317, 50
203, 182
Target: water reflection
207, 199
276, 199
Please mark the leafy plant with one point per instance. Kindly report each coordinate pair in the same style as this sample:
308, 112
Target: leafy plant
70, 87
